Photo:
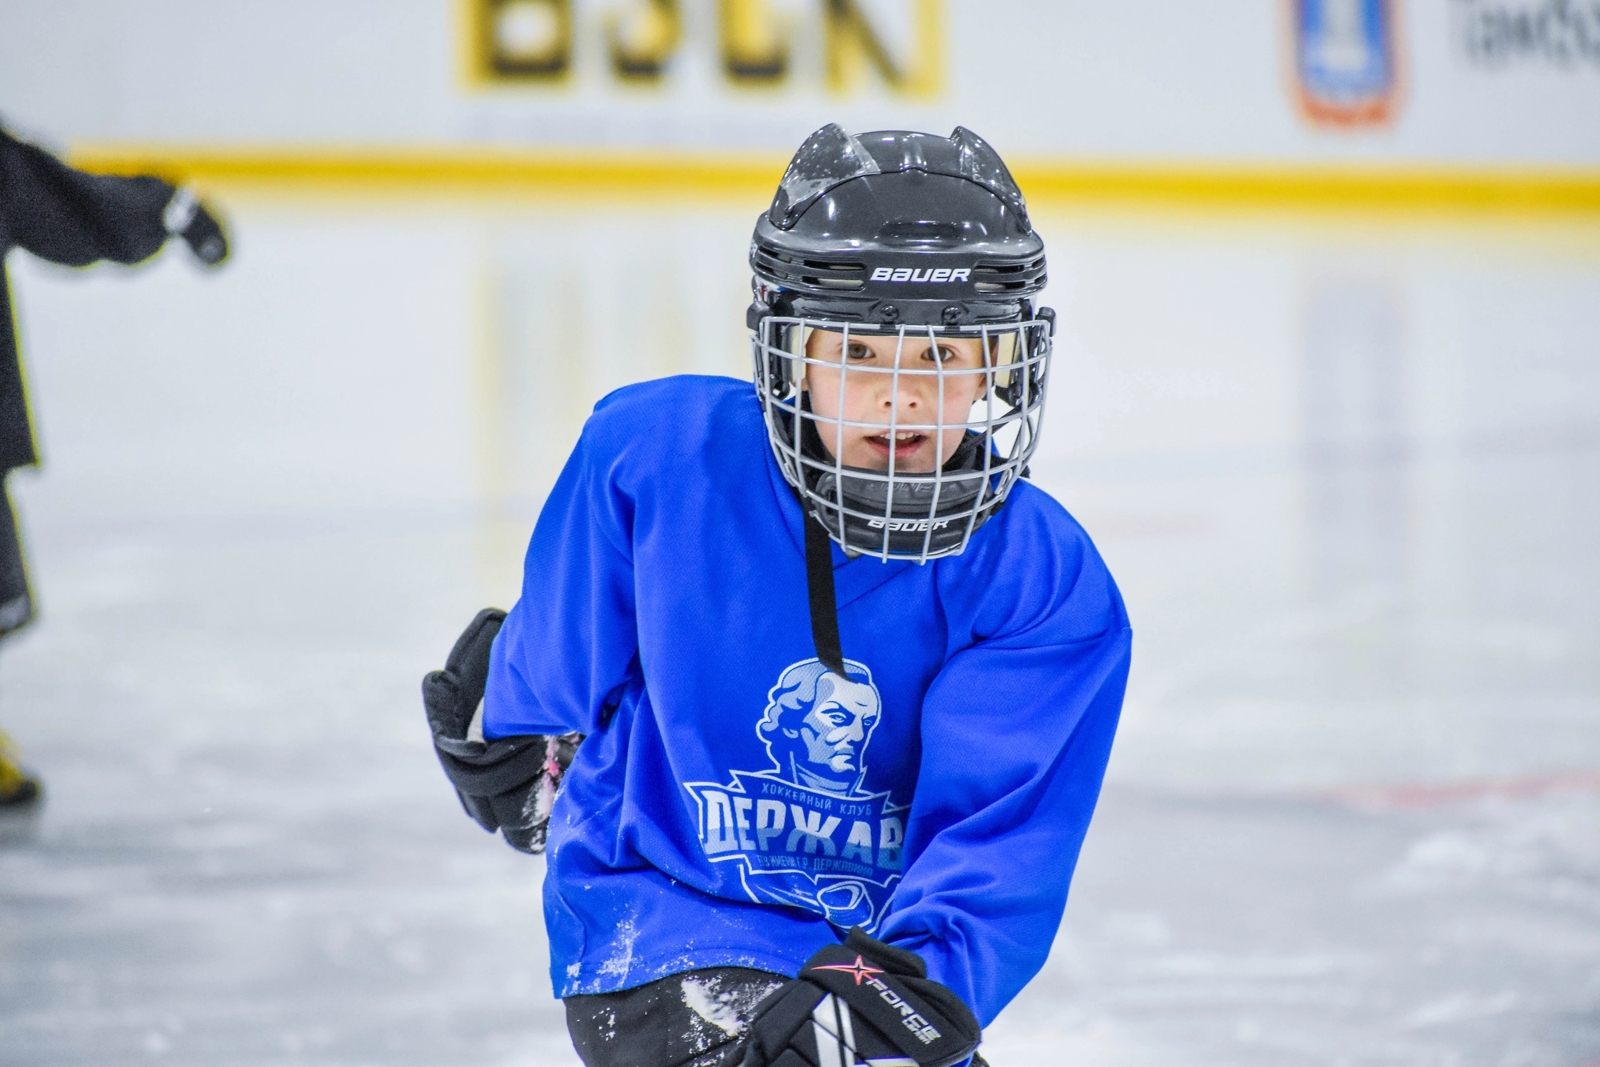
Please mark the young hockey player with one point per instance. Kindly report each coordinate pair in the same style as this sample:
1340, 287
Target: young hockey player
828, 691
67, 216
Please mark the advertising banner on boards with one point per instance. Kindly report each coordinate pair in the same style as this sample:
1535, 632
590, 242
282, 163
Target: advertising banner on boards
1065, 86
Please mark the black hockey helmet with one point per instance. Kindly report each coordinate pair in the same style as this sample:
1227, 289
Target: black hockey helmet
898, 227
917, 237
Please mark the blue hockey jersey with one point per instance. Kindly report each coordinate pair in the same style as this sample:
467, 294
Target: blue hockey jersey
735, 804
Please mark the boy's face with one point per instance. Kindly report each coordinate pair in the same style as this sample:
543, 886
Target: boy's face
937, 386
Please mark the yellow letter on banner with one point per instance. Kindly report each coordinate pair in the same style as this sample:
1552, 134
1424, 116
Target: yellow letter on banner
852, 45
522, 39
753, 51
643, 39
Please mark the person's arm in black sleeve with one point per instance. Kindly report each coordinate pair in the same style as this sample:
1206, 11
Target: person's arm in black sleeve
74, 218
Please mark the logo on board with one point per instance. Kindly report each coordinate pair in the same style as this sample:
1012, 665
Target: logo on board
755, 44
1345, 61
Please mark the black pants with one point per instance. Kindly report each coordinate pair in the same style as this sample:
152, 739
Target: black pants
694, 1019
16, 600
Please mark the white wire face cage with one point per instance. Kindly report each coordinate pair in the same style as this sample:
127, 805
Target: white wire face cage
938, 437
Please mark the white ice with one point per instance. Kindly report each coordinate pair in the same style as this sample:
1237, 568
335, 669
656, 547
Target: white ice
1345, 470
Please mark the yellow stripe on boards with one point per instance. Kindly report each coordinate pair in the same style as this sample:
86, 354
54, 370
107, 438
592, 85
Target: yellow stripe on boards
444, 167
754, 174
1372, 187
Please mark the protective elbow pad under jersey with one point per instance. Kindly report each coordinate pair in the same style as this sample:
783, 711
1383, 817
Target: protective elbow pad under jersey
862, 1002
508, 784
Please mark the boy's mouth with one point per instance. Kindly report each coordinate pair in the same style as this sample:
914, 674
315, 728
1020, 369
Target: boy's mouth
900, 442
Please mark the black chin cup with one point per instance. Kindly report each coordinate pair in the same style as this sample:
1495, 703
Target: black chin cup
908, 515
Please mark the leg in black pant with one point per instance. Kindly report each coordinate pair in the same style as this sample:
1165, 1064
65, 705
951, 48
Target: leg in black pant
16, 599
694, 1019
18, 791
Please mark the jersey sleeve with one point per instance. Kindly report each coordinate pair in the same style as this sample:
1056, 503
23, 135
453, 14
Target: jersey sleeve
74, 218
569, 646
1016, 734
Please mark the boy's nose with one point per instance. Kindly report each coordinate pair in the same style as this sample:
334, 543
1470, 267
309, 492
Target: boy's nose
900, 400
906, 392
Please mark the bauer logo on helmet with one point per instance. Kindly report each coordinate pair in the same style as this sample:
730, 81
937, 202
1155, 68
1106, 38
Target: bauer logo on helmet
908, 525
907, 274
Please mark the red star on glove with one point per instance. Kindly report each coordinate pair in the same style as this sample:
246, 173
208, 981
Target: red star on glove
859, 968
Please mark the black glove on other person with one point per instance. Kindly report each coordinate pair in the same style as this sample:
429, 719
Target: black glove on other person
508, 784
190, 219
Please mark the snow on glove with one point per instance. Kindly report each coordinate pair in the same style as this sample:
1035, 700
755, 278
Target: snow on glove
187, 217
862, 1002
509, 784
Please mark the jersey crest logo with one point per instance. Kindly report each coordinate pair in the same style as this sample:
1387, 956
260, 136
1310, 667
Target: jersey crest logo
805, 832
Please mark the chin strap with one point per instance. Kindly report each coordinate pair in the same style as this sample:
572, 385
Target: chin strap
819, 584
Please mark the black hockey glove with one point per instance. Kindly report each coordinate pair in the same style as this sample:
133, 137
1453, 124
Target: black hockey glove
508, 784
190, 219
862, 1001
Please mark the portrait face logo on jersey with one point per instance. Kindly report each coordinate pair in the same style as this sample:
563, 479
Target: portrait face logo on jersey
804, 832
817, 726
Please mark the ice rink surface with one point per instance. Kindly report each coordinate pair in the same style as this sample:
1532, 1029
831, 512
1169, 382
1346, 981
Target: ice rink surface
1345, 469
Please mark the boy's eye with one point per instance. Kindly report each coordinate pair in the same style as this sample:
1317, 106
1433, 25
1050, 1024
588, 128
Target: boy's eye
942, 353
857, 351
